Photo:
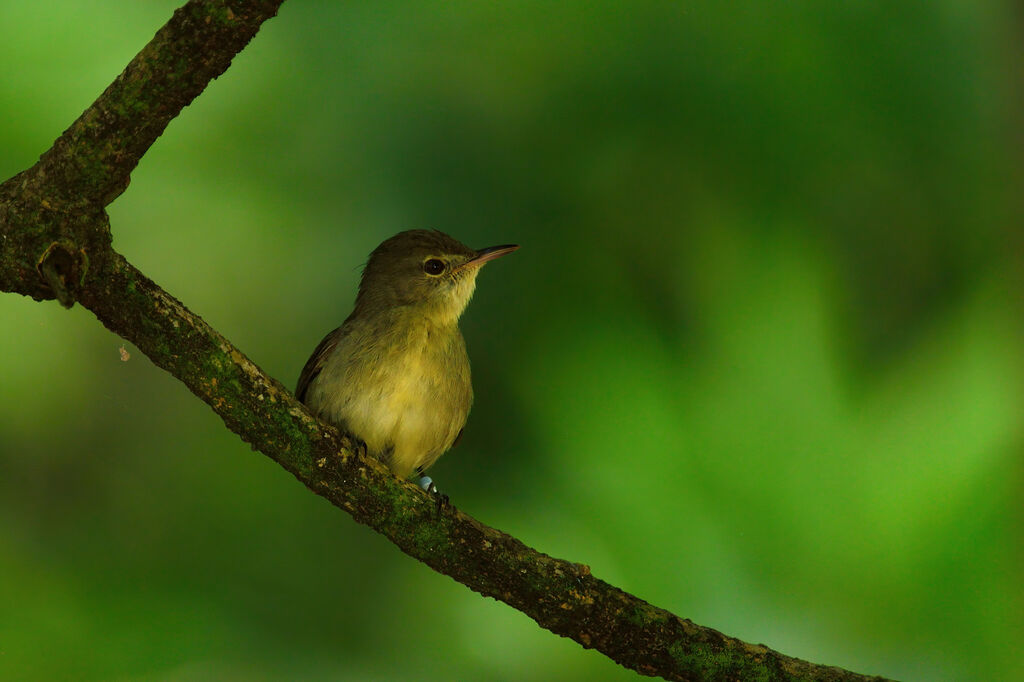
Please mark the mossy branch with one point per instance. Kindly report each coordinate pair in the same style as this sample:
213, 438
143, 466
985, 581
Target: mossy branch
56, 244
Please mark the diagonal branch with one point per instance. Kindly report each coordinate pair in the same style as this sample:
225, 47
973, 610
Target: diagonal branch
56, 244
58, 202
93, 158
561, 596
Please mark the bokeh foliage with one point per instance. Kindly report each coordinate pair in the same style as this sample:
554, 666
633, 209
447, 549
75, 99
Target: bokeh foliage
759, 359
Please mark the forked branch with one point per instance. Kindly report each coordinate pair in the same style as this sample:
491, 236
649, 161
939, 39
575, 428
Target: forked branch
56, 244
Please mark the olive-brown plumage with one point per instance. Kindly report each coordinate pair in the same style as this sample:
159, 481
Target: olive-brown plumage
395, 374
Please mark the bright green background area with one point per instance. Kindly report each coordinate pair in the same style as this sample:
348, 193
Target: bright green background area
759, 360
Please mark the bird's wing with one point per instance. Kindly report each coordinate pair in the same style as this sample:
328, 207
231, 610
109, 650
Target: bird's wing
316, 363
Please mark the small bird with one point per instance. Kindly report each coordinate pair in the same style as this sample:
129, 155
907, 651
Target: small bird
395, 374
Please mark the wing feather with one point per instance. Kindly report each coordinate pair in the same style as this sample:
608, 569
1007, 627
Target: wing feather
315, 364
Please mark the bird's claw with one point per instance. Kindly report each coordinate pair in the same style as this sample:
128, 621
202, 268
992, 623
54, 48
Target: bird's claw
427, 484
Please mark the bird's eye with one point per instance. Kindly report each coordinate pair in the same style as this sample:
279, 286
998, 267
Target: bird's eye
433, 267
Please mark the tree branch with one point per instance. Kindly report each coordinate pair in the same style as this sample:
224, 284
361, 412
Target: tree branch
56, 244
60, 199
94, 157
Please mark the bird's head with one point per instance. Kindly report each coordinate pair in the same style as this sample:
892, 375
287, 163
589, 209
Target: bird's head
425, 270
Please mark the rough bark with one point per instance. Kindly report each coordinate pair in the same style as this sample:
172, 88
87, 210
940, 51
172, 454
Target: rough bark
55, 243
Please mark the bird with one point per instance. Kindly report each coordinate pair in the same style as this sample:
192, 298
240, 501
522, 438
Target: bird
395, 374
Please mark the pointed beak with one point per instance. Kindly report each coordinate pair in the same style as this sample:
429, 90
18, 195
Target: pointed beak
488, 254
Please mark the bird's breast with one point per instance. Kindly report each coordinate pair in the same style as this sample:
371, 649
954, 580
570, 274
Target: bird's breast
415, 396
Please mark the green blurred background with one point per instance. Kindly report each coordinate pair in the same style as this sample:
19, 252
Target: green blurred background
758, 361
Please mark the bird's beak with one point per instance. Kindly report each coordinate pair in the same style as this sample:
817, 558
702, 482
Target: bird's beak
488, 254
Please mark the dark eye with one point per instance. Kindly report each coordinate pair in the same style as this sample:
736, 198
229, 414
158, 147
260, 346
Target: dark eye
433, 267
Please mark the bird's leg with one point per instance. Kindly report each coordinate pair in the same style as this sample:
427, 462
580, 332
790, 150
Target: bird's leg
427, 483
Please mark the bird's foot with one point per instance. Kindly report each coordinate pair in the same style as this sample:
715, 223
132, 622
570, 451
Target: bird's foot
359, 445
427, 483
